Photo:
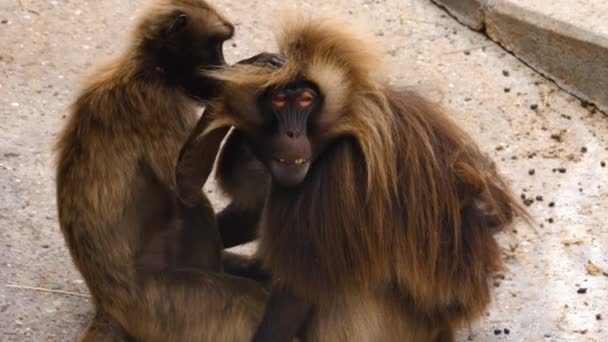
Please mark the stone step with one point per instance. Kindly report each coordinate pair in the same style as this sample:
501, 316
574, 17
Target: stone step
565, 40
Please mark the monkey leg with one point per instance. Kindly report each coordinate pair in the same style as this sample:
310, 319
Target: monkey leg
198, 246
192, 306
189, 299
104, 328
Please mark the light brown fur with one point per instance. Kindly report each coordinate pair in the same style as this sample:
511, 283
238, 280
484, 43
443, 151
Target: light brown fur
390, 235
152, 264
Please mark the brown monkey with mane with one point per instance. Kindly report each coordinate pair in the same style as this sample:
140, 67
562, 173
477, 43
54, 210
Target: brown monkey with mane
153, 265
380, 212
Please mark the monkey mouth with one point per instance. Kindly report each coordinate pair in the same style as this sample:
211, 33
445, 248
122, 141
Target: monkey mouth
298, 161
289, 172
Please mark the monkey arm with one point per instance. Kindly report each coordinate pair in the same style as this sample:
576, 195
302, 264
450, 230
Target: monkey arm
238, 225
239, 220
196, 160
245, 180
284, 317
246, 267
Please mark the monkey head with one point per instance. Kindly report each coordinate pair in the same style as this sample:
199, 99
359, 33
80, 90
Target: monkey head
178, 39
292, 114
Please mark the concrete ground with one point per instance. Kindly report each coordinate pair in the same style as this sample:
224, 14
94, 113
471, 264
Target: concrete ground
546, 143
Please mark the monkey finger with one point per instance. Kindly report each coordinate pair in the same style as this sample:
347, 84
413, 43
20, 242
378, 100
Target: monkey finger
265, 59
277, 61
259, 58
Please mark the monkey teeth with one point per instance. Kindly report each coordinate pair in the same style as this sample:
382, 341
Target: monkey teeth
298, 161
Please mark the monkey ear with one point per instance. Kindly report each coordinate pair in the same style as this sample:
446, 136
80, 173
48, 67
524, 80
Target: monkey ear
179, 22
197, 158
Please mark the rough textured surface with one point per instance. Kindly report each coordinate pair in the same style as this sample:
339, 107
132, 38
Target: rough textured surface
560, 45
47, 45
565, 40
469, 12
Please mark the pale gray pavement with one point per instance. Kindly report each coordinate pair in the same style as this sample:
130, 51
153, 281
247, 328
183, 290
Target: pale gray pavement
46, 45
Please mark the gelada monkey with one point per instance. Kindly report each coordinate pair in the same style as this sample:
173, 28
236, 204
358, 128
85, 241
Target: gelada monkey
153, 266
378, 219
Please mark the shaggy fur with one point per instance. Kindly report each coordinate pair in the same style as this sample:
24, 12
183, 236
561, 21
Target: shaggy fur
390, 236
152, 265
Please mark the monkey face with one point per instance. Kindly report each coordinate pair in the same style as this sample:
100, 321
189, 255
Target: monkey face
287, 147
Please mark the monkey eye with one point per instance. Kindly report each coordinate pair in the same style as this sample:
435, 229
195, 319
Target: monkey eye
179, 22
279, 99
305, 99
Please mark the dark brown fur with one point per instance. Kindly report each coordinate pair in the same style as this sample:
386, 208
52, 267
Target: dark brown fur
390, 235
152, 264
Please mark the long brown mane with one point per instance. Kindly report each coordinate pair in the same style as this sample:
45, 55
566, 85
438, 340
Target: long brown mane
403, 196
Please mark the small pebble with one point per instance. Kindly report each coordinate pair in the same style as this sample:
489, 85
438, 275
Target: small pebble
598, 317
583, 149
550, 220
497, 331
505, 73
507, 90
562, 170
603, 164
582, 290
531, 172
557, 137
552, 204
4, 21
539, 198
534, 106
506, 331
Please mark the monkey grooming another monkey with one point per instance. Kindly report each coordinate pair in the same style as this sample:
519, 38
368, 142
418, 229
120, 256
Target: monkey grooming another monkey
153, 265
378, 221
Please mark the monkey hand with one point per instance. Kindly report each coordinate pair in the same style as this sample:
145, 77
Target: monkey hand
265, 59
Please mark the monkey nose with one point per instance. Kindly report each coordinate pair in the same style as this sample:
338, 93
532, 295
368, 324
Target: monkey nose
293, 134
